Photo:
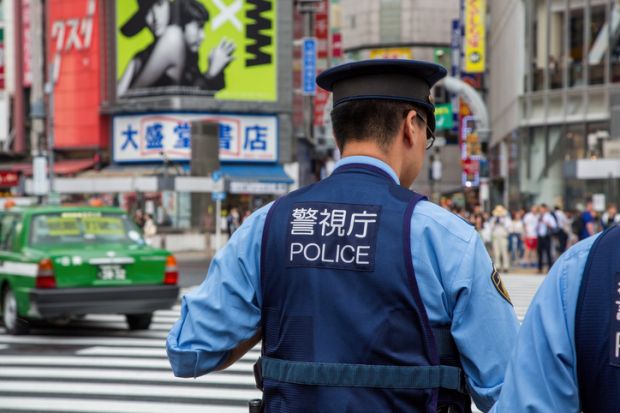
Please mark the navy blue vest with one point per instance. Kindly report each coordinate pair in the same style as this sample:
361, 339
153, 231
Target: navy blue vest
597, 326
339, 289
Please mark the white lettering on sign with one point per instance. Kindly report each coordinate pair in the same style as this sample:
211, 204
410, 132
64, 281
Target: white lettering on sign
343, 253
333, 220
333, 235
304, 220
73, 34
618, 345
361, 219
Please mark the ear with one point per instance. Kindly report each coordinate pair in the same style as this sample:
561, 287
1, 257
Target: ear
410, 128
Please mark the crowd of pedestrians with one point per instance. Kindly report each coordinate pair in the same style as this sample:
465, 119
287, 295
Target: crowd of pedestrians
536, 237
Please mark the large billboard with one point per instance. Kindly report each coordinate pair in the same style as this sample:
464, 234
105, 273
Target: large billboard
155, 137
223, 49
73, 52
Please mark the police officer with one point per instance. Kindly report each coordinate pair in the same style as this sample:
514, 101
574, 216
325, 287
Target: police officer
567, 357
368, 297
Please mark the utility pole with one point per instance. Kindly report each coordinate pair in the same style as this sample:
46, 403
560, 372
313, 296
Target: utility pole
49, 89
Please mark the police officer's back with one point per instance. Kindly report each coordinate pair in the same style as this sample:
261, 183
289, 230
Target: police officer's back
567, 357
370, 298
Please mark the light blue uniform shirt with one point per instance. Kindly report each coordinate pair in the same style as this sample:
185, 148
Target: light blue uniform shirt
542, 374
452, 268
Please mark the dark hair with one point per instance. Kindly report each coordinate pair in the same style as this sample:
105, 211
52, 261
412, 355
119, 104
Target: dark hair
192, 11
369, 119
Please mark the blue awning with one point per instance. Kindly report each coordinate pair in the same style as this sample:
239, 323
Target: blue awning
269, 173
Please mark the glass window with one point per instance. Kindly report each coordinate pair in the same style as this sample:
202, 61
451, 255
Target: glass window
7, 231
539, 42
596, 53
390, 21
575, 142
83, 228
614, 40
575, 27
598, 132
556, 50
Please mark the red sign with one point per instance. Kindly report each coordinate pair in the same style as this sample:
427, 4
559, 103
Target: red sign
337, 45
9, 179
320, 100
27, 42
321, 29
73, 49
1, 59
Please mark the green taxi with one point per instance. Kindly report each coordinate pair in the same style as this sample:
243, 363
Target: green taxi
58, 262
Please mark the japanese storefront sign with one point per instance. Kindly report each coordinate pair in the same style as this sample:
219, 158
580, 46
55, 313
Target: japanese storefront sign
443, 116
9, 179
73, 50
474, 41
309, 65
391, 53
215, 48
27, 42
328, 235
156, 137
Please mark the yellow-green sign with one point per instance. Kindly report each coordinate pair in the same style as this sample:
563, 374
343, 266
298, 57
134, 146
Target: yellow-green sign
226, 49
443, 116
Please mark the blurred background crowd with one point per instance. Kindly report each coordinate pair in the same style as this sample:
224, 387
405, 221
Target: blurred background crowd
534, 238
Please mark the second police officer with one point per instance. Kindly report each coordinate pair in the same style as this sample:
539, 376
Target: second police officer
567, 357
368, 298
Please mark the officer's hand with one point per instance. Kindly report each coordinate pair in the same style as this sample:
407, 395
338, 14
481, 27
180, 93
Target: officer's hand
241, 349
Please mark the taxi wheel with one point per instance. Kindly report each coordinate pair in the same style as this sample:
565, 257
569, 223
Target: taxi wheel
139, 321
12, 322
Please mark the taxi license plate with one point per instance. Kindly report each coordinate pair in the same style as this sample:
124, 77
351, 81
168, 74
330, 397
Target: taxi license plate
111, 272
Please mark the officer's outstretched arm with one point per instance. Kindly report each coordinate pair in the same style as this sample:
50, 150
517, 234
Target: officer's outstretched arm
240, 350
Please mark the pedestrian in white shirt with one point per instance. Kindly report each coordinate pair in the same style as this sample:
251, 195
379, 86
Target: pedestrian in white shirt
530, 221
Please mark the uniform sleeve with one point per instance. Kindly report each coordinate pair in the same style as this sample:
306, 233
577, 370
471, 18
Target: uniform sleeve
484, 324
225, 309
541, 374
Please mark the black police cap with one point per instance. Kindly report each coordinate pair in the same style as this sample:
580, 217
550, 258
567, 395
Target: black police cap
391, 79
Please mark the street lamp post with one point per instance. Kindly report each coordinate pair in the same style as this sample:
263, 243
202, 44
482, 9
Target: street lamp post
49, 90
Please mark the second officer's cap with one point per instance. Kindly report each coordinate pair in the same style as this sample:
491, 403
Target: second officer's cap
390, 79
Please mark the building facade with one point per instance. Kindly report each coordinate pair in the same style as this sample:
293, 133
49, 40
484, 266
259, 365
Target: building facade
555, 107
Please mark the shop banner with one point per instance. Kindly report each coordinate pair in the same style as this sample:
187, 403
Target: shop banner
9, 179
157, 137
475, 11
73, 50
391, 53
223, 49
27, 42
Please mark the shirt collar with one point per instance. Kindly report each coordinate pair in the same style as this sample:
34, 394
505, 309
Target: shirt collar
368, 160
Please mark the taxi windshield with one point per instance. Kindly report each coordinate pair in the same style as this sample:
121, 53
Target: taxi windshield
83, 227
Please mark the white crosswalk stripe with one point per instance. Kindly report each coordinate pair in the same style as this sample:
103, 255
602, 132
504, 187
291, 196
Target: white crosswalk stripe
96, 365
